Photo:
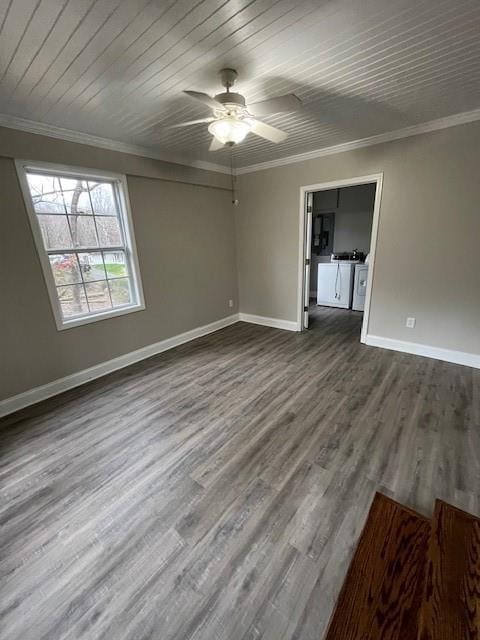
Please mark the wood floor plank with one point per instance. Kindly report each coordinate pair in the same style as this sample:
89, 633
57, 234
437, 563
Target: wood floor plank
218, 490
381, 596
451, 605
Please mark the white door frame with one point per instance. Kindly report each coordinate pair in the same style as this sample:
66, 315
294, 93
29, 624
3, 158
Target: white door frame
377, 179
308, 254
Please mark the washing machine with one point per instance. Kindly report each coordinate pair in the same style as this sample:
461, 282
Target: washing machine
360, 287
335, 284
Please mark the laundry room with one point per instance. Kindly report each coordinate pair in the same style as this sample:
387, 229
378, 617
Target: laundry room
340, 243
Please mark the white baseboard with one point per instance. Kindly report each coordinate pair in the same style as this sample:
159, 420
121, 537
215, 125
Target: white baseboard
276, 323
448, 355
32, 396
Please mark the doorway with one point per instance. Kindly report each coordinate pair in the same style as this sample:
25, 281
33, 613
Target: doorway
323, 239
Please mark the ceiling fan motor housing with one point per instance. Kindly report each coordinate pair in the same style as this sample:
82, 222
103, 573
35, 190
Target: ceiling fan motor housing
230, 98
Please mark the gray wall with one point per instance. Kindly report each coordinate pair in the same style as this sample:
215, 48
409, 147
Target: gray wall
426, 255
186, 250
353, 218
353, 222
428, 243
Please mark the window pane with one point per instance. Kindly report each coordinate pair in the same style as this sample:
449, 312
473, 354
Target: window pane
91, 265
46, 193
65, 268
83, 231
120, 291
115, 264
86, 240
55, 231
109, 234
72, 300
98, 296
102, 197
75, 195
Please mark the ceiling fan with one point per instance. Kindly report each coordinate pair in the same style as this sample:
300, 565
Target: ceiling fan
233, 119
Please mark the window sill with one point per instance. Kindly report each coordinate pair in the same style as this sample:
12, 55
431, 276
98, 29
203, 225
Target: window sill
96, 317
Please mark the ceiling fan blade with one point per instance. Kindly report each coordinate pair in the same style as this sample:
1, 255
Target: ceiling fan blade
288, 102
267, 131
190, 122
215, 145
203, 97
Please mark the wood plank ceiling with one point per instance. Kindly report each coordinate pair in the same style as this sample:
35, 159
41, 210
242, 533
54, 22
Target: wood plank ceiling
117, 68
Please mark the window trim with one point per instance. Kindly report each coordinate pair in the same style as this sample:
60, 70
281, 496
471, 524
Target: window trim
126, 221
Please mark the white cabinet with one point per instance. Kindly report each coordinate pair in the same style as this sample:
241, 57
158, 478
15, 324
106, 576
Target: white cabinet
335, 284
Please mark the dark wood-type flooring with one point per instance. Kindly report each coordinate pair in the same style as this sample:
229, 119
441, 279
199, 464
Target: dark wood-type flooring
383, 590
217, 491
451, 606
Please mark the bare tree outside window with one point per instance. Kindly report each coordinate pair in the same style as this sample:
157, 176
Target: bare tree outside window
83, 236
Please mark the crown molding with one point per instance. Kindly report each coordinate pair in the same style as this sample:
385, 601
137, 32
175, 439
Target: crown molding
44, 129
41, 128
425, 127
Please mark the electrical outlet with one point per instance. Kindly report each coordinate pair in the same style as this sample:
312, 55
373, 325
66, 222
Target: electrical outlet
230, 303
410, 323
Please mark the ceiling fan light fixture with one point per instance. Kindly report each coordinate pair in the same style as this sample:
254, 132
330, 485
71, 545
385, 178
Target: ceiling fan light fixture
229, 131
233, 117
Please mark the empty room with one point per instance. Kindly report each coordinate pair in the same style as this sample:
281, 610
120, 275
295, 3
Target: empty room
240, 320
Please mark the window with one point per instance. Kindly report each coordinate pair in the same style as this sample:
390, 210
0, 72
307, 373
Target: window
84, 237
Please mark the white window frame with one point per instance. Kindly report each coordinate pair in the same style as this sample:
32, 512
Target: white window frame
123, 203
